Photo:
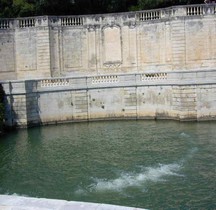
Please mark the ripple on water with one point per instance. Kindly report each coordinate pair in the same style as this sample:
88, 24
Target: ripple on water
114, 162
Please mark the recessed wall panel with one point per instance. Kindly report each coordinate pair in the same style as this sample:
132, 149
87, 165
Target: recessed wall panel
7, 60
112, 45
26, 50
72, 49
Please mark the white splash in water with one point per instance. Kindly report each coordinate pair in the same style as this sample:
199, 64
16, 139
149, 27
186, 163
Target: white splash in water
126, 180
185, 135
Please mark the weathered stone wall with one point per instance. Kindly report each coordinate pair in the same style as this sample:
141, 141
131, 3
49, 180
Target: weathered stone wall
7, 55
166, 95
176, 38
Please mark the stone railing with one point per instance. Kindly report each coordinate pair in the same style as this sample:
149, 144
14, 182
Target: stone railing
149, 15
176, 11
160, 78
54, 82
105, 79
26, 22
121, 80
72, 21
85, 20
4, 23
194, 10
153, 76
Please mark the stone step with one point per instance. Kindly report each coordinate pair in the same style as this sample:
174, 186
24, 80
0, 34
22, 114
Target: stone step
8, 202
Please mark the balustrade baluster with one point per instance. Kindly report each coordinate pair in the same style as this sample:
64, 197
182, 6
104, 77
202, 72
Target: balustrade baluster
67, 22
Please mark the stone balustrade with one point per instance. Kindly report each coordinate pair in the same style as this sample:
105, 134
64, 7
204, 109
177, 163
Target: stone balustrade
153, 76
54, 82
194, 10
121, 80
105, 79
26, 22
139, 16
4, 23
72, 21
149, 15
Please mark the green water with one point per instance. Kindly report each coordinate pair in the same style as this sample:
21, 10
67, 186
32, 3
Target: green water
147, 164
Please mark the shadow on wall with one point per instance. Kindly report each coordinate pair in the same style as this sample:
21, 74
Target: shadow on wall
9, 114
6, 110
32, 104
19, 109
2, 108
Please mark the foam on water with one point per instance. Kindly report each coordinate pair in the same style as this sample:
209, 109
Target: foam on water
125, 180
183, 134
16, 194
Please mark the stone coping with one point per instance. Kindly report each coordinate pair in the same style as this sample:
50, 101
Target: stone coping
13, 202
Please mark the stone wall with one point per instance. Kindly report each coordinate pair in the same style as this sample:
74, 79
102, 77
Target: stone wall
176, 95
176, 38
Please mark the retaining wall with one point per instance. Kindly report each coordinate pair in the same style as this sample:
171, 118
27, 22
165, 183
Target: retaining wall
164, 95
175, 38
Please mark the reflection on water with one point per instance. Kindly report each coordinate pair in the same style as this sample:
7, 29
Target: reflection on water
148, 164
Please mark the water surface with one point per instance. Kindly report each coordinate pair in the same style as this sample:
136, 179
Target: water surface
147, 164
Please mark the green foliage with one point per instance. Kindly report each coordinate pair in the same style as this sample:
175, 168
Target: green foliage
21, 8
152, 4
5, 8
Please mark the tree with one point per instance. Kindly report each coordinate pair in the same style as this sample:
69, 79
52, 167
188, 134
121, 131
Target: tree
22, 8
5, 8
152, 4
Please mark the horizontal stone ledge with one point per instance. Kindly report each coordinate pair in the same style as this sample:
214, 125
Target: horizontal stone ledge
12, 202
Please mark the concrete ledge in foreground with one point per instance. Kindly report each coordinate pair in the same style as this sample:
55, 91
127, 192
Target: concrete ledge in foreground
12, 202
